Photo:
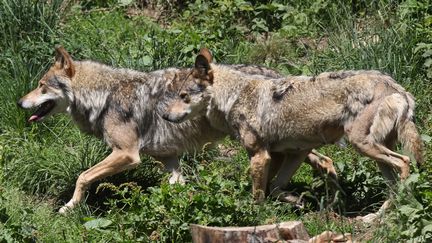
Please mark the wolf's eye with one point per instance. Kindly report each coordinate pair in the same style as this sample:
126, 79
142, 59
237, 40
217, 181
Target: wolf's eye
185, 97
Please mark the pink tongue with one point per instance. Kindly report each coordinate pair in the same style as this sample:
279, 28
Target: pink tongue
33, 118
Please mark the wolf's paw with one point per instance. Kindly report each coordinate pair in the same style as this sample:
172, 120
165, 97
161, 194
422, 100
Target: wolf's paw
287, 197
259, 196
177, 178
369, 218
330, 169
63, 210
372, 217
67, 207
406, 159
297, 202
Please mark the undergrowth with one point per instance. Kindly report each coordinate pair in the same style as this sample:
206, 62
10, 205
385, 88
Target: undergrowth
40, 162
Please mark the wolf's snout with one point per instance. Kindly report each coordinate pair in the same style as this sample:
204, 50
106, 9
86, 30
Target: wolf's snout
165, 116
170, 118
174, 118
19, 103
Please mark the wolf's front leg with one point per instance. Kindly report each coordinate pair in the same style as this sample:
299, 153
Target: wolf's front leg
116, 162
172, 165
260, 164
260, 159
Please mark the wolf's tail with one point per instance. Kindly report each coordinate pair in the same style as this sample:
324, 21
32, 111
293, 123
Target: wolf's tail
411, 141
408, 134
396, 113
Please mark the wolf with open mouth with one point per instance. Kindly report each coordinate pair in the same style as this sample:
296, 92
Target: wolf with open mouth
120, 106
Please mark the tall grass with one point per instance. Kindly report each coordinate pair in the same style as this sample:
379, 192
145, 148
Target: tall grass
27, 34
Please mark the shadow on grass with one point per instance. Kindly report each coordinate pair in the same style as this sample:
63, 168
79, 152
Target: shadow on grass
97, 198
345, 201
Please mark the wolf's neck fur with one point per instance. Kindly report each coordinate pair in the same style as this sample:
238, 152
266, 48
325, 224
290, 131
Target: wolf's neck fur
227, 87
97, 87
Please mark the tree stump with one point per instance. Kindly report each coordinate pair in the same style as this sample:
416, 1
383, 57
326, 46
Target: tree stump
285, 231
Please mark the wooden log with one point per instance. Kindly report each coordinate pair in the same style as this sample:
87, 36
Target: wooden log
285, 231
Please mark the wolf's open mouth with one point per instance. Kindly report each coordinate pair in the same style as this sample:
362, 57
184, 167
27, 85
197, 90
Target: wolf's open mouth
42, 110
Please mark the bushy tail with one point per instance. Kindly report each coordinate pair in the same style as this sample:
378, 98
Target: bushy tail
408, 134
411, 140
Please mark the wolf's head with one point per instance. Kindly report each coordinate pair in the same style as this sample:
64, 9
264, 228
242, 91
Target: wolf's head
53, 94
190, 88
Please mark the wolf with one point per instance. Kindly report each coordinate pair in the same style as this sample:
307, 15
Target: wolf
119, 106
295, 114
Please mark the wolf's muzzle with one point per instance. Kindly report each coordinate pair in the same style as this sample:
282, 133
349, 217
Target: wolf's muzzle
19, 103
176, 119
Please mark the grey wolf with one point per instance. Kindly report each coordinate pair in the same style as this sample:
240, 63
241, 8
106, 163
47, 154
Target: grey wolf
296, 114
119, 106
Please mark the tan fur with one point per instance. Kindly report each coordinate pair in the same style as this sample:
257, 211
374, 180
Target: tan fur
120, 106
293, 115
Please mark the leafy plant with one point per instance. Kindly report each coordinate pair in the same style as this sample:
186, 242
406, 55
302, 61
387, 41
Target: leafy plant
413, 214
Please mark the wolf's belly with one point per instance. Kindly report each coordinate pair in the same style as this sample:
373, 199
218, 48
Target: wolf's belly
294, 145
305, 139
181, 143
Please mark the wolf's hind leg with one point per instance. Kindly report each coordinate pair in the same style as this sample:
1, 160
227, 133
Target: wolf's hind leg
365, 136
389, 152
376, 152
387, 170
290, 165
276, 162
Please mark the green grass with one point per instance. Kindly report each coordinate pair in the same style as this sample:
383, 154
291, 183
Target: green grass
40, 162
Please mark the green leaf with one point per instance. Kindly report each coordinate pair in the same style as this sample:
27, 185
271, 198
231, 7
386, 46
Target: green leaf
147, 60
413, 178
188, 49
427, 53
427, 228
425, 137
125, 2
98, 223
428, 62
407, 210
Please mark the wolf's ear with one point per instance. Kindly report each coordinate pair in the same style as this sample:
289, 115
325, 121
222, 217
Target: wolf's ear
207, 54
64, 61
202, 67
